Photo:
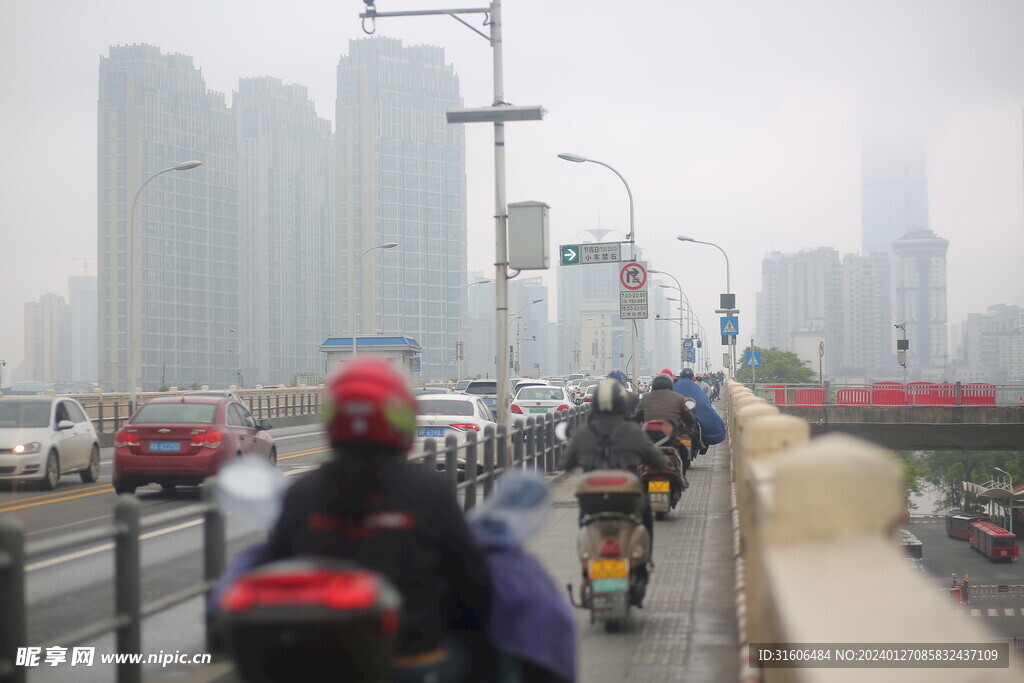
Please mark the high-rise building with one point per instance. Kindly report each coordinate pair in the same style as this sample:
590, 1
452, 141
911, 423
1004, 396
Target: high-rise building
478, 347
894, 198
921, 301
84, 322
48, 340
155, 112
400, 177
992, 346
287, 248
528, 326
858, 330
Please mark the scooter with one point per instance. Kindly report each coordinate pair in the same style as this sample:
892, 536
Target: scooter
614, 547
665, 487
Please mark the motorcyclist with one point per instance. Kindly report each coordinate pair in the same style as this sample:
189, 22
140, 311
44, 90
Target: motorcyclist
632, 397
712, 427
370, 505
609, 441
662, 403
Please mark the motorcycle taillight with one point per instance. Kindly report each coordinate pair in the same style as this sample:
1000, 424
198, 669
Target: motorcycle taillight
610, 548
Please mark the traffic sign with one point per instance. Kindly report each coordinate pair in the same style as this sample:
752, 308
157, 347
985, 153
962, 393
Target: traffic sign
687, 343
601, 252
691, 355
570, 254
633, 305
633, 277
753, 359
730, 325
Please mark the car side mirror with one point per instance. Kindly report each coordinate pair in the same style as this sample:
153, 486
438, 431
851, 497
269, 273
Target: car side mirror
263, 425
65, 424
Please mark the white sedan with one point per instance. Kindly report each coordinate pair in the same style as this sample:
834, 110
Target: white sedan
541, 400
440, 415
43, 437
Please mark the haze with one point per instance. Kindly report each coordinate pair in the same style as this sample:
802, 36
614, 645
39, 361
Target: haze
739, 123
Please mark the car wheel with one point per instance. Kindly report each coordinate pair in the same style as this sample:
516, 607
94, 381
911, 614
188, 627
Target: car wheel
92, 472
121, 487
273, 457
52, 473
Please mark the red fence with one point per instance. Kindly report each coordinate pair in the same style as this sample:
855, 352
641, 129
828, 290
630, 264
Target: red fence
884, 394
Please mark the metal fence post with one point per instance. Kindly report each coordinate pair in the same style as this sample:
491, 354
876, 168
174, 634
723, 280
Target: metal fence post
518, 434
213, 553
489, 441
549, 442
530, 436
471, 471
12, 600
501, 436
127, 586
99, 417
451, 463
117, 415
430, 454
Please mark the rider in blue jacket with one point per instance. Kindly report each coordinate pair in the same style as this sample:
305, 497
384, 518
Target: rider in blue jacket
711, 425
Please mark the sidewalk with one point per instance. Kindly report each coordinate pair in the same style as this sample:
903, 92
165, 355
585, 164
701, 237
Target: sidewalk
687, 628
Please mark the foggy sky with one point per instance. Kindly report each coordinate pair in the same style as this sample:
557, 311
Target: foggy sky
738, 123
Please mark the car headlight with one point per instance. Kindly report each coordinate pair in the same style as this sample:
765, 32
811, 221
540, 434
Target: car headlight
27, 448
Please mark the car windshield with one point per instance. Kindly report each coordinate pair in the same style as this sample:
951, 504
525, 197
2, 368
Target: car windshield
444, 407
539, 394
480, 388
462, 385
166, 413
24, 413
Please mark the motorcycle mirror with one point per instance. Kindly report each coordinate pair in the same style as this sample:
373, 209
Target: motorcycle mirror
690, 403
563, 432
250, 489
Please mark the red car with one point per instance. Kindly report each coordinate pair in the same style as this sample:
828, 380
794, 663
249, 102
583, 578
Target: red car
182, 440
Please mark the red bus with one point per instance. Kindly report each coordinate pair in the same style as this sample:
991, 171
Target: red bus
958, 524
994, 542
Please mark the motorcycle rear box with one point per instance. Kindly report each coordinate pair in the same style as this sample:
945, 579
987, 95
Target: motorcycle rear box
311, 620
610, 491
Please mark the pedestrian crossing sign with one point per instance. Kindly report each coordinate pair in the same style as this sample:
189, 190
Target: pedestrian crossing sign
753, 359
730, 325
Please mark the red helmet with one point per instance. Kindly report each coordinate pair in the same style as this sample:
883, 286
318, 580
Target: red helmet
369, 403
666, 371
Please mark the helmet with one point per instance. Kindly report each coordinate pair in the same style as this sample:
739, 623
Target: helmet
687, 372
610, 397
617, 375
369, 403
667, 371
662, 381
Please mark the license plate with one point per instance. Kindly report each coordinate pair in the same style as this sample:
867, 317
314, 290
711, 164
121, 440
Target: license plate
430, 431
165, 446
686, 442
538, 410
490, 401
608, 569
659, 502
658, 485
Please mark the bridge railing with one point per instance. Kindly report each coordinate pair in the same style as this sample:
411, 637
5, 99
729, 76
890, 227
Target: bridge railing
818, 557
893, 394
472, 468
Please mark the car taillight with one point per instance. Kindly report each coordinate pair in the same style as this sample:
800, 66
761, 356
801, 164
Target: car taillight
609, 548
515, 409
211, 439
586, 399
475, 428
562, 407
123, 439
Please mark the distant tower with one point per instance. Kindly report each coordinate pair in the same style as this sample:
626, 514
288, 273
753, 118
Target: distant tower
48, 340
894, 197
84, 323
921, 300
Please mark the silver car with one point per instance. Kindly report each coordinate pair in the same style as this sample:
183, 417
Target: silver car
541, 400
44, 437
441, 415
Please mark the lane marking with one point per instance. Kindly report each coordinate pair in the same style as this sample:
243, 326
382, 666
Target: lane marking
49, 495
975, 612
993, 612
12, 508
107, 546
1008, 612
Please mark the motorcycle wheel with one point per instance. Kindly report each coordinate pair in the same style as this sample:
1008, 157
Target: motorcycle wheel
660, 515
612, 625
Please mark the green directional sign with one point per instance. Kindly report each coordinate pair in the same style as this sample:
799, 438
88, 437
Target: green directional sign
570, 254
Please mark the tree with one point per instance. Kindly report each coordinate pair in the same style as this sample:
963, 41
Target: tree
777, 367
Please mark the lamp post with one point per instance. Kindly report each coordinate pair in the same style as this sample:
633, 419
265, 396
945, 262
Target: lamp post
239, 353
519, 318
352, 289
728, 301
1010, 477
462, 345
131, 281
682, 336
631, 238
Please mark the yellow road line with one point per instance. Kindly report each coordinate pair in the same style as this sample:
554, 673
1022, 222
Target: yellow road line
57, 494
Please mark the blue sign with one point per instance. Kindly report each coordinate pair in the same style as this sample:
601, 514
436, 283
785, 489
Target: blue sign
691, 356
687, 343
753, 359
414, 363
730, 325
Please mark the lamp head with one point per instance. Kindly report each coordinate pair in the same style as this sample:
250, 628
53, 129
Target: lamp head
575, 158
388, 245
901, 325
537, 301
684, 238
188, 165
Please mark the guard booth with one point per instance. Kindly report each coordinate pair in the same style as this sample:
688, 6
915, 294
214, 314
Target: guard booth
403, 352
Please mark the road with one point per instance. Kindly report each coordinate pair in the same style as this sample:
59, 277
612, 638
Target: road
71, 590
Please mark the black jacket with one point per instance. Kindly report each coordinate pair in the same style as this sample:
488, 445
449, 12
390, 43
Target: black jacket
628, 446
414, 534
665, 404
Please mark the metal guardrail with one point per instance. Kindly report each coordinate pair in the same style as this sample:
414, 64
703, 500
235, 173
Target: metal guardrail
530, 444
893, 394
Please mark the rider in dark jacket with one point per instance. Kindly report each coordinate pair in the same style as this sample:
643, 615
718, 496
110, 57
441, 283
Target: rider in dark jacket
369, 505
662, 403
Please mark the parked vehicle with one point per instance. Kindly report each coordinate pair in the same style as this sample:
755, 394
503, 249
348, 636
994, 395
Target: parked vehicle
664, 487
613, 546
440, 415
994, 542
486, 389
958, 524
461, 386
182, 440
540, 400
44, 437
914, 549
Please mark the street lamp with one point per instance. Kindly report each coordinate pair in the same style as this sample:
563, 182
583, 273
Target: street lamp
631, 238
728, 301
461, 353
352, 289
239, 353
682, 351
1012, 496
519, 318
131, 281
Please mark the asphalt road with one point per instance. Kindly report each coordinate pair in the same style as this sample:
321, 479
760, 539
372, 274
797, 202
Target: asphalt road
70, 590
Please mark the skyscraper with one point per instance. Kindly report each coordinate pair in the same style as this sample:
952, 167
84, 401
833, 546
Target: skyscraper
288, 276
794, 299
48, 340
894, 197
155, 112
83, 302
861, 321
401, 178
921, 300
